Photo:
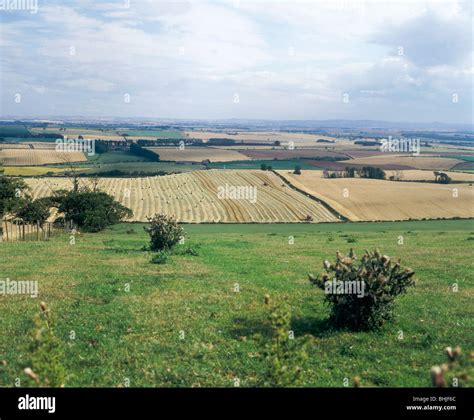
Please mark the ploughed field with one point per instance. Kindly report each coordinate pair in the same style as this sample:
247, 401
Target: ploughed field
370, 199
212, 196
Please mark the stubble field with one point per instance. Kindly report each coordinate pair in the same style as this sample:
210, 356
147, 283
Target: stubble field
29, 157
370, 199
194, 197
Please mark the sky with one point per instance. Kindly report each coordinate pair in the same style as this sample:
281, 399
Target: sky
404, 60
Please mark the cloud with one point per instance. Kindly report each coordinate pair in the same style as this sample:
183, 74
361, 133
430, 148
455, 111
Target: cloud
431, 40
286, 60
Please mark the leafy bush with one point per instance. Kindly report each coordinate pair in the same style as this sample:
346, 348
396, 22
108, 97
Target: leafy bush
442, 178
47, 356
283, 356
160, 258
164, 232
361, 295
32, 211
457, 372
371, 172
91, 211
10, 191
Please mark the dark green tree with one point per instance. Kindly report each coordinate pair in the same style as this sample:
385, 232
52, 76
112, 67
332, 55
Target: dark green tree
91, 211
11, 190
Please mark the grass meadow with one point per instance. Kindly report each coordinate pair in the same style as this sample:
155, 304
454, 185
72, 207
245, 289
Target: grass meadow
200, 320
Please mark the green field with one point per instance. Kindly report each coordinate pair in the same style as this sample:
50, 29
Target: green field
162, 134
467, 158
145, 168
113, 157
256, 164
136, 334
13, 130
127, 163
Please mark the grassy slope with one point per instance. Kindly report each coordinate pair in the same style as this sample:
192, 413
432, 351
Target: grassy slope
135, 335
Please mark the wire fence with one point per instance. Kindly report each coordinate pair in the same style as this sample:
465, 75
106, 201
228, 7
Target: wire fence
15, 231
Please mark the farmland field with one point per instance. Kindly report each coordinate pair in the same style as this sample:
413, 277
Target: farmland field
109, 133
299, 139
29, 157
136, 334
193, 197
197, 154
292, 154
135, 167
370, 199
411, 175
154, 134
415, 162
30, 170
275, 164
420, 175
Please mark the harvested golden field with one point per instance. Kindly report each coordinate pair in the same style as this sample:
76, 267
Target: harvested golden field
416, 162
420, 175
205, 196
31, 157
198, 154
14, 146
369, 199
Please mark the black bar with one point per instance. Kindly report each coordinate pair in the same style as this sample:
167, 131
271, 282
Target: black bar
312, 403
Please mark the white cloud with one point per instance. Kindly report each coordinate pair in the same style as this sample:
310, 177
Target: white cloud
287, 59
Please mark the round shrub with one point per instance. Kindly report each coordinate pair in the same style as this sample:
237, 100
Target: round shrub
164, 232
361, 294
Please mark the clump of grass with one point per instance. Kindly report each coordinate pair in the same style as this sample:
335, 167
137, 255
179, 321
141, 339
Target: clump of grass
159, 258
351, 239
186, 251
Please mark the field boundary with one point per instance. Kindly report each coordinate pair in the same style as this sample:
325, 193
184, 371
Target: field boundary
333, 211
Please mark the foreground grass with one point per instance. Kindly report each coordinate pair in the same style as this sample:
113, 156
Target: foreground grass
137, 335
